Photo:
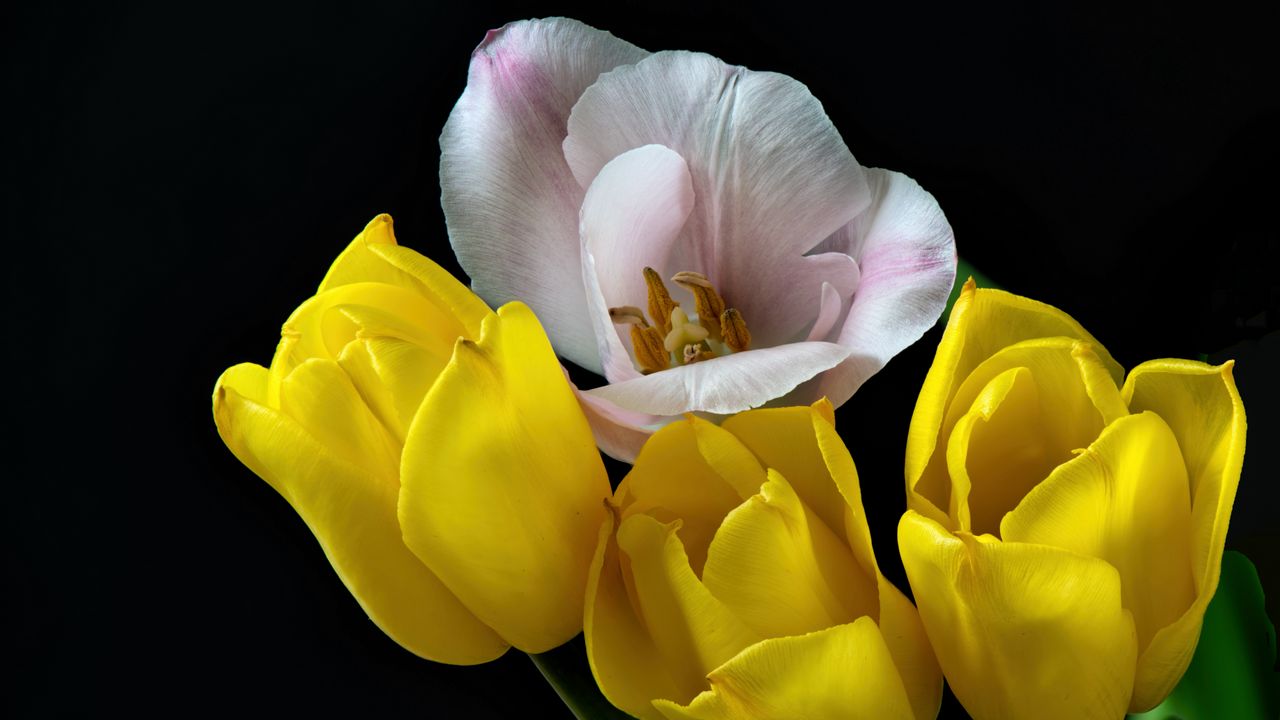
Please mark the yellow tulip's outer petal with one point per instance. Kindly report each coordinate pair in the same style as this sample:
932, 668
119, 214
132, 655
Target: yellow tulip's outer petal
844, 671
783, 439
693, 471
352, 514
1124, 500
502, 487
375, 256
1021, 630
1202, 407
624, 661
982, 322
781, 570
692, 630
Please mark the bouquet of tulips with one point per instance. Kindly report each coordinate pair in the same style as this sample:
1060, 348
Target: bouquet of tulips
700, 237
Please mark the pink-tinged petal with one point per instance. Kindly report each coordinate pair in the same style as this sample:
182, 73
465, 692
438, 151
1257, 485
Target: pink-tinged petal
906, 251
633, 212
620, 433
770, 172
509, 199
727, 384
829, 310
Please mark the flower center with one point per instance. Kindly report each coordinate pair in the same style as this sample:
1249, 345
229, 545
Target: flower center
675, 339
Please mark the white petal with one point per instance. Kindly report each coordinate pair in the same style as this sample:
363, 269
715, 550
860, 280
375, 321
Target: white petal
829, 310
509, 199
632, 214
727, 384
620, 433
771, 175
906, 251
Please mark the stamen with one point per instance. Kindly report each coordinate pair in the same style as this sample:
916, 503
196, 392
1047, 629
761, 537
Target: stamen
707, 301
736, 335
628, 315
650, 353
694, 353
660, 302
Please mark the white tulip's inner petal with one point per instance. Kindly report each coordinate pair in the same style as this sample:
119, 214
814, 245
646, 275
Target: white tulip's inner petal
632, 213
510, 201
782, 306
907, 256
828, 310
727, 384
771, 175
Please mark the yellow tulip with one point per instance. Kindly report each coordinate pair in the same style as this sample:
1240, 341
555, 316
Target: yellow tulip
435, 450
1064, 531
735, 579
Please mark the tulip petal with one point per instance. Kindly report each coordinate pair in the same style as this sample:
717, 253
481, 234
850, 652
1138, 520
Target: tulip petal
1021, 630
772, 176
392, 376
502, 487
624, 660
352, 513
727, 384
509, 199
632, 213
375, 256
694, 632
694, 471
906, 252
829, 306
1202, 407
619, 433
982, 323
320, 397
781, 570
844, 671
1124, 500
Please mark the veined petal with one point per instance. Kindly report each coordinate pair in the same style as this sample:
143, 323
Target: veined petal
906, 252
633, 211
1202, 407
352, 513
771, 174
844, 671
1124, 500
375, 256
509, 199
726, 384
393, 376
624, 660
503, 489
1021, 630
693, 471
982, 323
692, 630
781, 570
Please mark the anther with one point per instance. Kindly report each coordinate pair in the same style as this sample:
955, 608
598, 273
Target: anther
707, 301
650, 352
628, 315
660, 302
736, 335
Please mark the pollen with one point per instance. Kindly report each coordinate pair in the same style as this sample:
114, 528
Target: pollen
674, 338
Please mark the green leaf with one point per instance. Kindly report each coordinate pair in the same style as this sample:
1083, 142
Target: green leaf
1233, 673
567, 670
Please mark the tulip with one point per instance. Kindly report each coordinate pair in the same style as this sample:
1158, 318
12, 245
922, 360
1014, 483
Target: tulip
696, 232
1064, 532
735, 578
434, 449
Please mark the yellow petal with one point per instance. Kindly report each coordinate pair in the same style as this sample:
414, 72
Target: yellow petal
693, 631
1202, 407
982, 322
694, 471
392, 376
840, 672
1017, 416
624, 661
374, 256
781, 570
1021, 630
353, 515
320, 397
502, 487
783, 439
1124, 500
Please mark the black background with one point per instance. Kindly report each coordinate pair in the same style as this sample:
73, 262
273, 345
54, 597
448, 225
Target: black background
178, 179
